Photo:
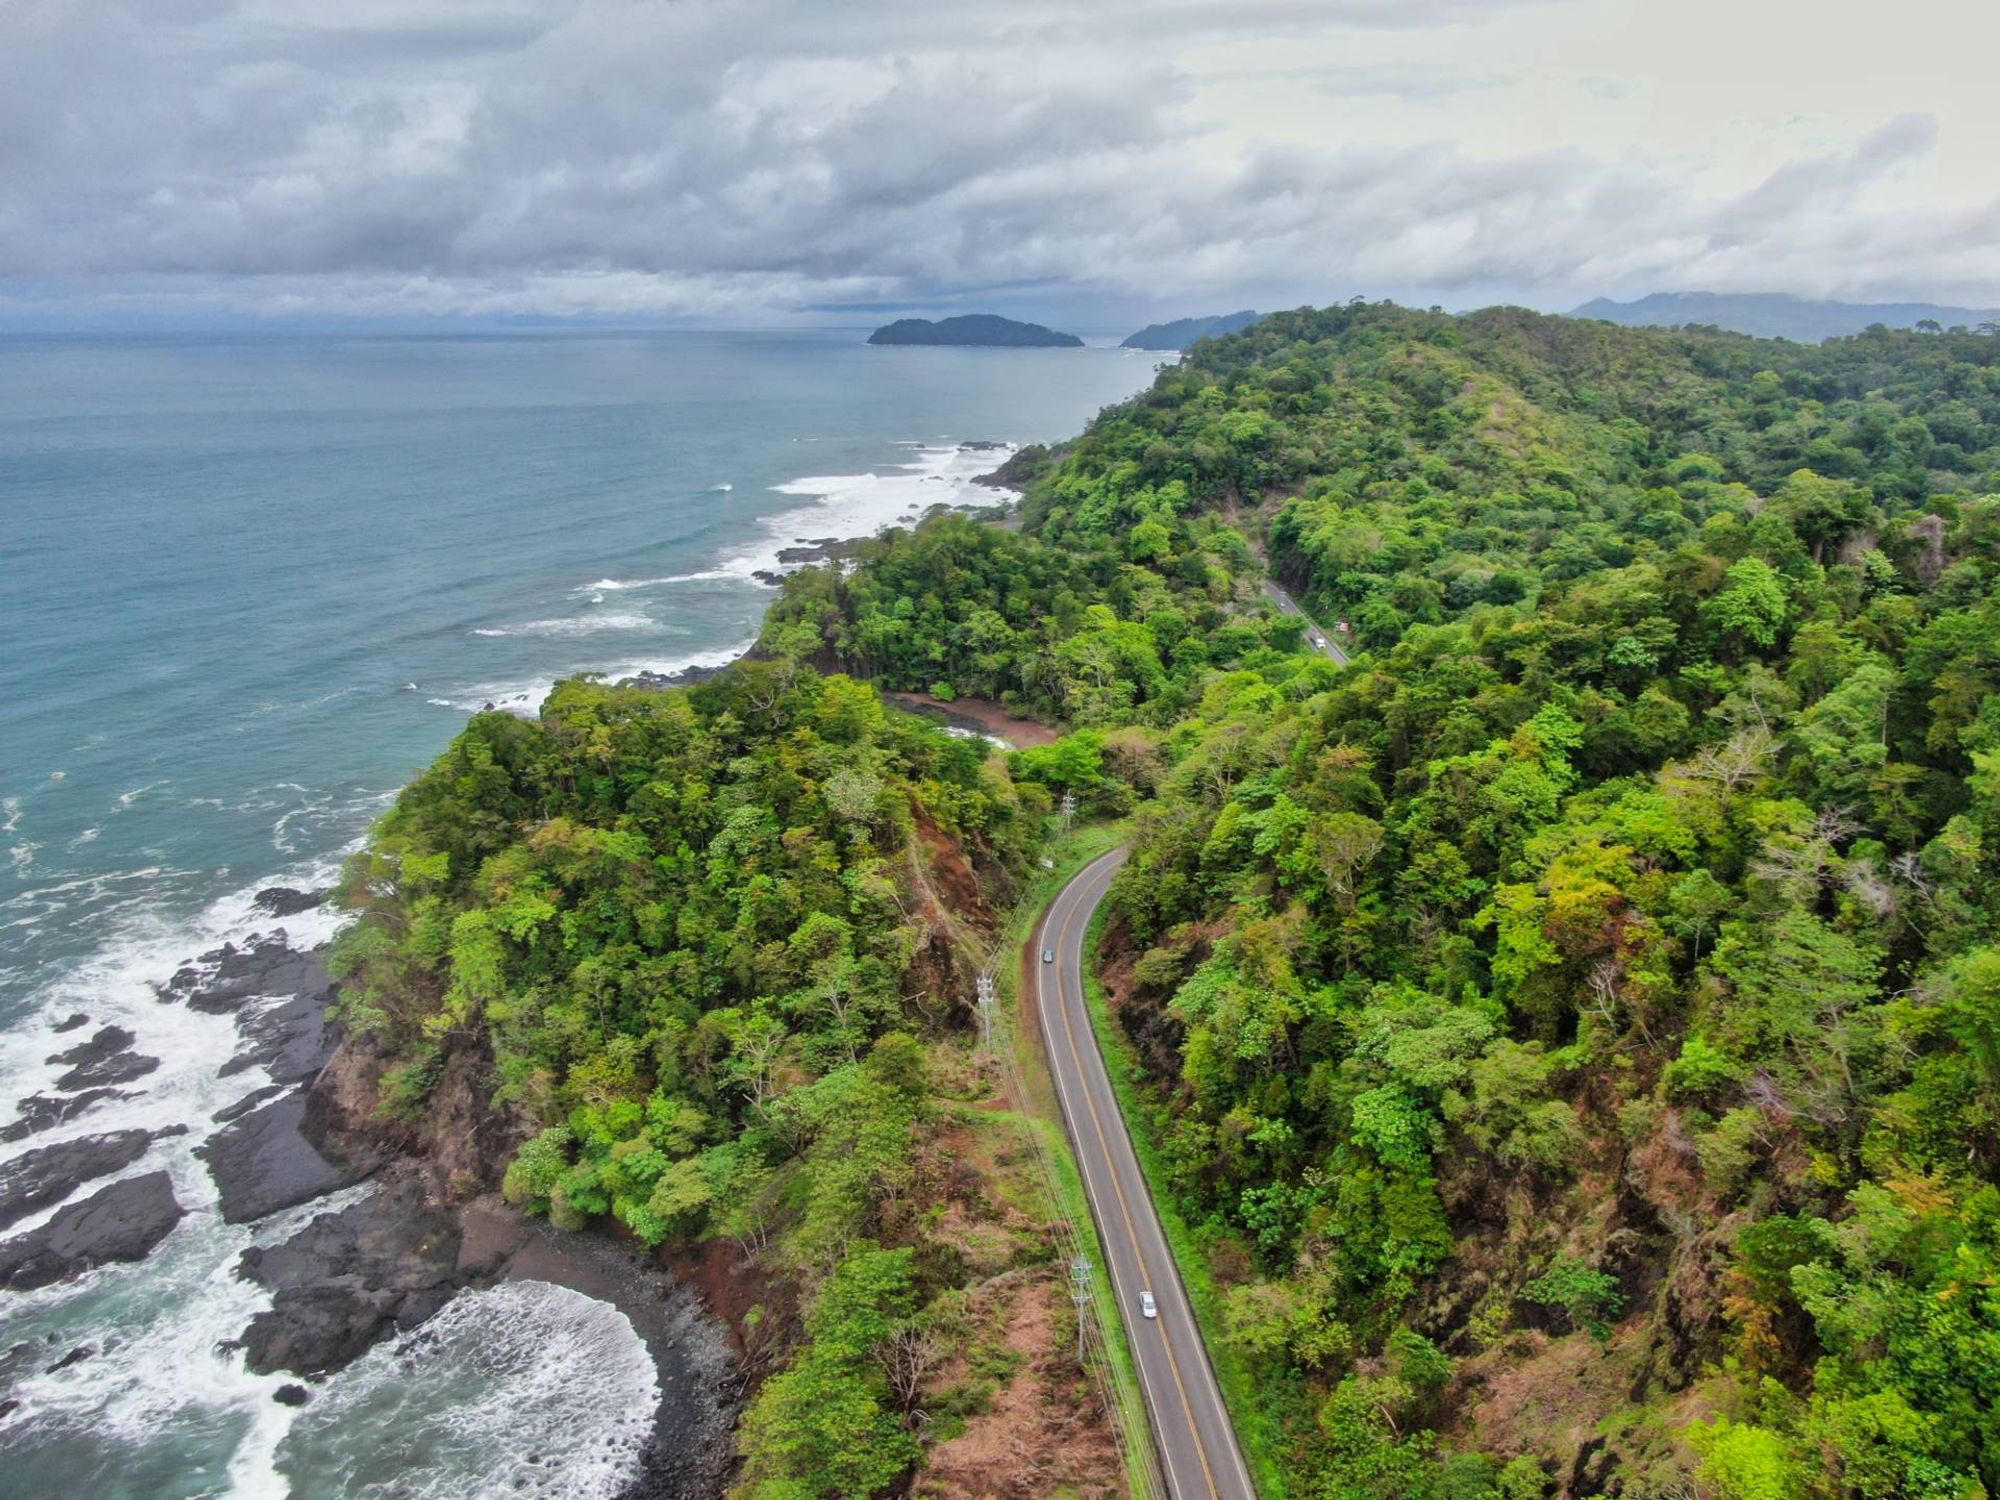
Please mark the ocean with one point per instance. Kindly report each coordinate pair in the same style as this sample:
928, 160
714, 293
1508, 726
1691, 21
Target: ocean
250, 585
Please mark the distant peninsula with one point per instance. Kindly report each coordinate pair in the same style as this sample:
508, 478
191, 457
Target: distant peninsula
1774, 315
979, 330
1185, 333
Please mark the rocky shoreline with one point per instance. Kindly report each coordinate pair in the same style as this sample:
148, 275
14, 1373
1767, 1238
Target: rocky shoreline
428, 1227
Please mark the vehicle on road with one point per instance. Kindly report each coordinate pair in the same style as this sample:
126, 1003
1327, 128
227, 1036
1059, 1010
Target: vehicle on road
1048, 955
1148, 1306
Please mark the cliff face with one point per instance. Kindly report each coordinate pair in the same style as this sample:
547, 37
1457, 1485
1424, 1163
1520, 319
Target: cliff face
977, 330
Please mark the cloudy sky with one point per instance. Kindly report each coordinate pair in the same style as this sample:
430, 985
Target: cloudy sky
763, 161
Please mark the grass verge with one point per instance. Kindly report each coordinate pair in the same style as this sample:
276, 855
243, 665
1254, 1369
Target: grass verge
1027, 1080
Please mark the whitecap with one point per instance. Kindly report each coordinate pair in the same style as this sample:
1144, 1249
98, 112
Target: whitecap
575, 625
721, 489
595, 591
126, 799
525, 1370
12, 807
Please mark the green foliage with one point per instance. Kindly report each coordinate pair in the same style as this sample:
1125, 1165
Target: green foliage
825, 1426
1652, 840
1587, 1296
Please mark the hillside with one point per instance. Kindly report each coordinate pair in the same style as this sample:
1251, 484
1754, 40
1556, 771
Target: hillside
1574, 1030
1773, 315
1184, 333
1569, 1036
977, 330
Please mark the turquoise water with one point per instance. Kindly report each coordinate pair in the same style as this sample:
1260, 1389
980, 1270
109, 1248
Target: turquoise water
250, 585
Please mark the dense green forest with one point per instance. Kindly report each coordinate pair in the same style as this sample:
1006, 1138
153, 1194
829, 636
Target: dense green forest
1572, 1030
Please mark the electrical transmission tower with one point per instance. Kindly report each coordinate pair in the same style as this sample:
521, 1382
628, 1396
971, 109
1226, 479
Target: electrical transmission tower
1068, 810
986, 997
1079, 1284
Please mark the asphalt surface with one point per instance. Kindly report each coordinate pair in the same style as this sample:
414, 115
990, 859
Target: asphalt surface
1323, 639
1191, 1428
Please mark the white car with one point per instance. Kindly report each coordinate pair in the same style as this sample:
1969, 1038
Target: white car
1048, 955
1147, 1306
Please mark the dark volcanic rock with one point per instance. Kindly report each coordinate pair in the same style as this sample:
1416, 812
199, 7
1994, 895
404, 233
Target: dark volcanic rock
225, 978
118, 1223
73, 1023
352, 1277
292, 1394
45, 1175
106, 1059
386, 1264
283, 901
261, 1163
124, 1068
247, 1103
39, 1112
291, 1040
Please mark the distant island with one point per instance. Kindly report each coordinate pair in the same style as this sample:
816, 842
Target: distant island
1779, 316
1185, 333
980, 330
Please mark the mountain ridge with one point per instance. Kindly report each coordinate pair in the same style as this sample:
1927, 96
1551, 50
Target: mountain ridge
1776, 314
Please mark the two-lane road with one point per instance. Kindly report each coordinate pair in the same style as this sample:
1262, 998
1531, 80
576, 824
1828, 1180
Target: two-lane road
1191, 1428
1322, 641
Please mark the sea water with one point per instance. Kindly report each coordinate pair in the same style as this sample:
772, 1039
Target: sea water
251, 584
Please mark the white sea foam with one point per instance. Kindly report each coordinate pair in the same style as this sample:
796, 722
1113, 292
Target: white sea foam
525, 697
12, 807
156, 1325
620, 585
518, 1371
721, 489
575, 625
859, 505
126, 799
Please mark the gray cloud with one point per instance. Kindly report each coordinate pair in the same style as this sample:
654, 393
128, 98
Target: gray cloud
738, 157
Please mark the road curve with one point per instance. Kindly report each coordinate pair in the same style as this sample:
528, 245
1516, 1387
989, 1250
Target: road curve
1191, 1429
1321, 639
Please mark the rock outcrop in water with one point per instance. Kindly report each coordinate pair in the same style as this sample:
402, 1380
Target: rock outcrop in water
121, 1222
431, 1227
106, 1060
35, 1179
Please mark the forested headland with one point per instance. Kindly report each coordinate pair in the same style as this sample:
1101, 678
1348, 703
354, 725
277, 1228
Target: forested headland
1571, 1032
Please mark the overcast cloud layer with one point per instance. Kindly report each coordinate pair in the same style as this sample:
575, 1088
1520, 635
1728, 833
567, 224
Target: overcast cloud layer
756, 160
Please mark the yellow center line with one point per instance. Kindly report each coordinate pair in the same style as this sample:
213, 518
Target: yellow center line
1124, 1208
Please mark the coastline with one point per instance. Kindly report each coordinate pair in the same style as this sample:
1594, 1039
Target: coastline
356, 1239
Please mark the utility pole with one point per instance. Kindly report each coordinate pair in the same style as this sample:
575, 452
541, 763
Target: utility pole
1079, 1280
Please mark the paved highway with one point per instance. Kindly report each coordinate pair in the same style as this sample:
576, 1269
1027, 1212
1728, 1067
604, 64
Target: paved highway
1191, 1428
1320, 638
